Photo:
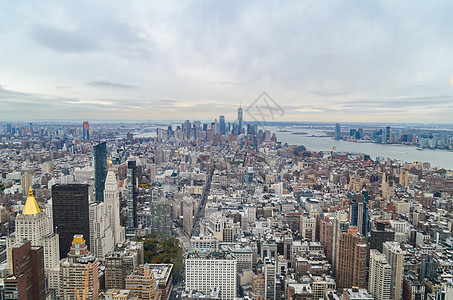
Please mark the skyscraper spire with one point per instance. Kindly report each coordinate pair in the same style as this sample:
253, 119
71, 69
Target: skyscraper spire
31, 206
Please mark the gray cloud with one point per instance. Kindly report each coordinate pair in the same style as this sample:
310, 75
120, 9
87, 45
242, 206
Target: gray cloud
325, 59
62, 40
108, 84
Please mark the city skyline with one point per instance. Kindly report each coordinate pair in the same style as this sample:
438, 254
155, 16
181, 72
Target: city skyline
320, 61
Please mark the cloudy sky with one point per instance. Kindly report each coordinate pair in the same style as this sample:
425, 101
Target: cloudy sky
380, 61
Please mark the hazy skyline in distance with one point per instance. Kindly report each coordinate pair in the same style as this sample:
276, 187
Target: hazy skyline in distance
339, 61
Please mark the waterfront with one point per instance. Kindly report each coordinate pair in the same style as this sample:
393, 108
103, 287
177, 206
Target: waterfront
313, 141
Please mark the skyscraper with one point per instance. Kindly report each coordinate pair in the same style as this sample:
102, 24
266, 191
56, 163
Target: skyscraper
269, 279
340, 224
337, 132
35, 225
112, 201
240, 120
379, 235
131, 196
70, 211
395, 257
388, 134
380, 276
79, 266
222, 125
86, 130
28, 280
358, 212
101, 236
100, 170
351, 259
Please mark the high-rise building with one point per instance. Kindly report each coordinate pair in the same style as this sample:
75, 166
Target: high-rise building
142, 284
101, 235
214, 270
351, 259
70, 211
380, 235
160, 217
100, 170
77, 270
269, 279
27, 280
34, 225
112, 202
337, 131
380, 276
26, 179
121, 262
395, 257
388, 134
86, 130
222, 130
340, 224
240, 120
131, 197
188, 214
358, 212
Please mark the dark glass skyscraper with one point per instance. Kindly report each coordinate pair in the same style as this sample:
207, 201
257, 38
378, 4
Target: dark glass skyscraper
100, 170
358, 212
337, 132
70, 213
131, 196
222, 130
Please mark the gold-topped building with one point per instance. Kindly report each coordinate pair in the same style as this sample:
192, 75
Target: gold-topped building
34, 224
31, 206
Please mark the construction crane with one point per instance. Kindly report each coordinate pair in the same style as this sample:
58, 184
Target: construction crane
85, 285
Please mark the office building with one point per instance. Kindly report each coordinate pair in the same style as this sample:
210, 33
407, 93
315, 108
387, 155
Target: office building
358, 212
204, 273
142, 284
70, 211
79, 270
34, 225
26, 179
380, 235
160, 217
121, 262
86, 130
112, 202
27, 280
337, 131
100, 170
131, 197
163, 274
380, 276
240, 120
388, 135
395, 257
101, 235
270, 279
340, 224
351, 259
222, 129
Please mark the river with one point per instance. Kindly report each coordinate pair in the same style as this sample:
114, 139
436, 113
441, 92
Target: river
312, 141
